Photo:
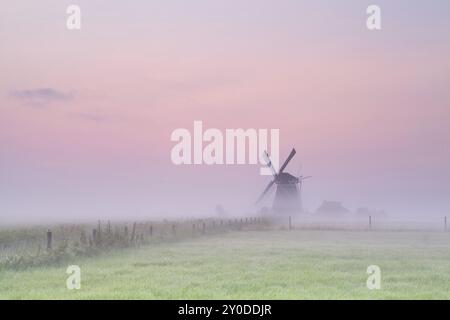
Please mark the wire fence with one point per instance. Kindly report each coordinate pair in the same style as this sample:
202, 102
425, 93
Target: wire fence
24, 247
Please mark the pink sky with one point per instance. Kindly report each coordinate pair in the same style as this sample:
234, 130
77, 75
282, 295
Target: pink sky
368, 112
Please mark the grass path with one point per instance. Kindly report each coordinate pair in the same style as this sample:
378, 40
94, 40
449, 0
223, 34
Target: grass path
254, 265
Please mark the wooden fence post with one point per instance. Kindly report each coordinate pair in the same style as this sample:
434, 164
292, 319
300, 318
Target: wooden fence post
94, 236
83, 240
370, 222
49, 239
290, 223
133, 232
99, 233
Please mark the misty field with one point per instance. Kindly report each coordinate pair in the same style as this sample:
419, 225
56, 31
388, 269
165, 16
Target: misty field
251, 264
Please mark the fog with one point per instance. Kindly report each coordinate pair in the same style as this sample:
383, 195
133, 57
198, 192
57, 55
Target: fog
85, 125
185, 191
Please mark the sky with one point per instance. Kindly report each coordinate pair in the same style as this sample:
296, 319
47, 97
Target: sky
86, 115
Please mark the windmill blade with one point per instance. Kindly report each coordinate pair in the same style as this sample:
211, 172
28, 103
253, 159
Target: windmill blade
291, 155
269, 163
265, 190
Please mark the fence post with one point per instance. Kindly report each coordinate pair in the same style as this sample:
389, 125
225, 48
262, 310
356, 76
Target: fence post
290, 223
151, 230
203, 227
83, 240
94, 236
445, 223
49, 239
370, 222
173, 230
133, 232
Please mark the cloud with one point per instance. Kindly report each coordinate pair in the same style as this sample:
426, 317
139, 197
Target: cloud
42, 95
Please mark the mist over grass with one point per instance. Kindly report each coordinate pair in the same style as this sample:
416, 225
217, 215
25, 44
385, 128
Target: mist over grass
277, 264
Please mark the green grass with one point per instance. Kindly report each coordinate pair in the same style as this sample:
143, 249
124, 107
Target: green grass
298, 264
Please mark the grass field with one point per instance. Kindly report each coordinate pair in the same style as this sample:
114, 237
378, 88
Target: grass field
277, 264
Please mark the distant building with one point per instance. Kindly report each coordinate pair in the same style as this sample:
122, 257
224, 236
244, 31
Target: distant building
331, 209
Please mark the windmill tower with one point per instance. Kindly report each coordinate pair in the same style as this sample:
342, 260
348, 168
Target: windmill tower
288, 192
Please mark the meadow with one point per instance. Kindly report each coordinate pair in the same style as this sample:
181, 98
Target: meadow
251, 263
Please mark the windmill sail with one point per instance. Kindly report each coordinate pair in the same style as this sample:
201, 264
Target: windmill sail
288, 187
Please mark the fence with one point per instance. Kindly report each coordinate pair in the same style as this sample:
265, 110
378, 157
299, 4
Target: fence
39, 245
17, 246
361, 223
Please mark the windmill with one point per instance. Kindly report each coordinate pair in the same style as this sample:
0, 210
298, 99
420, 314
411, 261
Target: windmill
288, 192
